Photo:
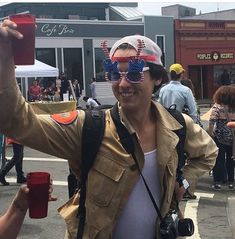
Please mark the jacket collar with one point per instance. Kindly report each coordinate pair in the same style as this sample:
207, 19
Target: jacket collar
164, 118
166, 139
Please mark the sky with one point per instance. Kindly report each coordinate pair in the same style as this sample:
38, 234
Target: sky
153, 7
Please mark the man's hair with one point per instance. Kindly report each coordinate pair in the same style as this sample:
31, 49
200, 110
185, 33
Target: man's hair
125, 46
157, 72
85, 98
175, 76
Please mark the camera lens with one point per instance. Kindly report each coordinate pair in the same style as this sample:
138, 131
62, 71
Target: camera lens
185, 227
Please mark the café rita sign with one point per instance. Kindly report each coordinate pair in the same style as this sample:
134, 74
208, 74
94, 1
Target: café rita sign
56, 30
215, 56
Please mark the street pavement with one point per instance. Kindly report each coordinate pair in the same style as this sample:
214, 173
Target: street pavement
213, 212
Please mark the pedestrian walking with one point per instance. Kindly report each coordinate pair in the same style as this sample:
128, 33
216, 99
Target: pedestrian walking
77, 90
117, 203
93, 90
17, 161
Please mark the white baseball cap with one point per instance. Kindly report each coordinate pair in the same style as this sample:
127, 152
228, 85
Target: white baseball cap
150, 53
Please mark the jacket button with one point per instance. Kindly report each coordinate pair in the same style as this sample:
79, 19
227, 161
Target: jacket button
133, 167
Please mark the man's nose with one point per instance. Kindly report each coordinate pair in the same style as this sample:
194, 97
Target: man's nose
123, 80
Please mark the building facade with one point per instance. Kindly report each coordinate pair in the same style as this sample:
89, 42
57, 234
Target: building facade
69, 36
204, 45
205, 48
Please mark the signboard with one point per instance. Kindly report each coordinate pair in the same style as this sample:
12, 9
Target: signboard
215, 56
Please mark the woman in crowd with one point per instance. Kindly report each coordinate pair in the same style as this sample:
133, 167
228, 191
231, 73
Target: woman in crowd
222, 113
77, 90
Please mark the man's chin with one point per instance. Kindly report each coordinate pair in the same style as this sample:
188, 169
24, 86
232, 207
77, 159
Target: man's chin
127, 105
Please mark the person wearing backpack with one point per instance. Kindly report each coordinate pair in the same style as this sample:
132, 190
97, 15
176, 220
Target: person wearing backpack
116, 203
175, 93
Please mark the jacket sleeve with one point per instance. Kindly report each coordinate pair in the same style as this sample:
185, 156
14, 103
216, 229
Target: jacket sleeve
202, 152
39, 132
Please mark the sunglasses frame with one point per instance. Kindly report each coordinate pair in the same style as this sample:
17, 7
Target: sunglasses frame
125, 74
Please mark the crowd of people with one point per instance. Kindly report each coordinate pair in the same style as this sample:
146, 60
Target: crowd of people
44, 91
118, 204
41, 91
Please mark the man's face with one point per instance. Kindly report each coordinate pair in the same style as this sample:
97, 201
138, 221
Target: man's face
132, 96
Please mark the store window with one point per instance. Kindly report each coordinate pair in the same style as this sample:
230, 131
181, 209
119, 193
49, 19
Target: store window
218, 71
73, 64
46, 55
160, 40
99, 69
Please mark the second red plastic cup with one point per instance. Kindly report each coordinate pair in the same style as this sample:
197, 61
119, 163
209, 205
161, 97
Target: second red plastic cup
24, 49
38, 184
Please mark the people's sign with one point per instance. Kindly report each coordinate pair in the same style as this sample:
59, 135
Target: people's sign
215, 56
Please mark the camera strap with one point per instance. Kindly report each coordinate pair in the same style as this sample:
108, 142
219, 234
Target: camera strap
128, 143
148, 189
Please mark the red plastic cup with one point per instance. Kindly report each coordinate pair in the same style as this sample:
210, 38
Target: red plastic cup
38, 184
24, 49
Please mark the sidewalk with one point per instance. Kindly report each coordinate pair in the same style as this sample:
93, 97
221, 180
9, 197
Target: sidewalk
212, 212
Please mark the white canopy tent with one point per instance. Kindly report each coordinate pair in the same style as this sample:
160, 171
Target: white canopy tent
39, 69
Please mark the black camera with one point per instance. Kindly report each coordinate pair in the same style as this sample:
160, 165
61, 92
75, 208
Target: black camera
171, 226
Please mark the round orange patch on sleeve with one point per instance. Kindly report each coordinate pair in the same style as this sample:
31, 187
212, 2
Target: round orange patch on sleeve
65, 118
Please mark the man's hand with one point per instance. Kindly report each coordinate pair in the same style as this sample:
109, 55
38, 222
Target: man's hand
7, 67
8, 30
21, 198
7, 33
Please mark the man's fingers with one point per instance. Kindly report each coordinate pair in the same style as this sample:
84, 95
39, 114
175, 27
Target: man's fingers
9, 28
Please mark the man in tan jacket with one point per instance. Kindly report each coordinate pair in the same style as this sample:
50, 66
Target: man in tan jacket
117, 203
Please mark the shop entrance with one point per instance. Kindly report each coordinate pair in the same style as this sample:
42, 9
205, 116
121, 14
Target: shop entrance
199, 77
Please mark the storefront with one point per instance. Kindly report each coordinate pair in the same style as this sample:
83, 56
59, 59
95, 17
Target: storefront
69, 35
205, 48
74, 46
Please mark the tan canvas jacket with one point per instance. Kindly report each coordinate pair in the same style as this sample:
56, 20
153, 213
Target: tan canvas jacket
114, 174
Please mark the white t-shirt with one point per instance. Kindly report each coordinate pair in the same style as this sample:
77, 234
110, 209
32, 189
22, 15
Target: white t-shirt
138, 218
91, 103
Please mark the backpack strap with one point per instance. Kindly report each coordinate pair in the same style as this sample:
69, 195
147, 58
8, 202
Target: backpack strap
181, 133
92, 135
124, 135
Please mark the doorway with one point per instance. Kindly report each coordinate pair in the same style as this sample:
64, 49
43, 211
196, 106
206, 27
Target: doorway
199, 77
